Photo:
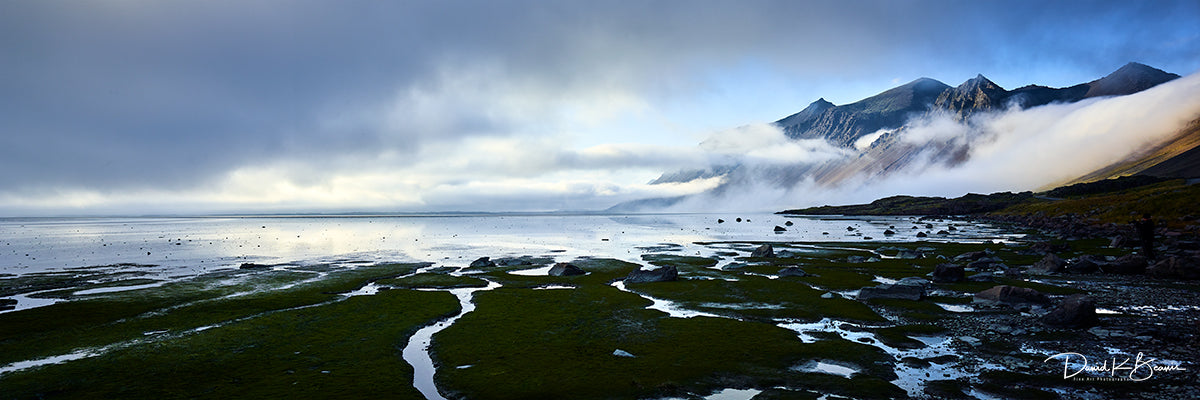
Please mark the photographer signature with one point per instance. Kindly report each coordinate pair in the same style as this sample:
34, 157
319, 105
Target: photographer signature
1139, 369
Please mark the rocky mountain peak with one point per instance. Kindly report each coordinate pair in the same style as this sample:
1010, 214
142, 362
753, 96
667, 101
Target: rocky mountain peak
1130, 78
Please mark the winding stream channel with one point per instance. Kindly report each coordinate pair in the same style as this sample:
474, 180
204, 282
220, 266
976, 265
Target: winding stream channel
416, 353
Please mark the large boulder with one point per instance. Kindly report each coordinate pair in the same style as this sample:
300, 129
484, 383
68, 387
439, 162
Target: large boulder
898, 290
483, 262
1076, 311
765, 250
944, 273
1011, 295
1131, 264
661, 274
565, 269
1175, 268
1050, 264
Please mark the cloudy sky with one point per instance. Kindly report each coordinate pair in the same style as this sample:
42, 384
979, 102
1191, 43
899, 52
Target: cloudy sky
135, 107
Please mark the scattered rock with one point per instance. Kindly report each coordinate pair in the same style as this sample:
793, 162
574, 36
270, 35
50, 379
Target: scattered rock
971, 340
792, 271
856, 259
944, 273
922, 234
739, 219
943, 232
780, 229
1131, 264
662, 274
1077, 311
1082, 265
970, 256
789, 223
1175, 268
565, 269
1012, 295
765, 250
908, 255
483, 262
623, 353
828, 295
892, 291
253, 266
720, 221
888, 232
1050, 264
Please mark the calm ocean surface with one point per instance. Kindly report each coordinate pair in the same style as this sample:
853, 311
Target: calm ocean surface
180, 247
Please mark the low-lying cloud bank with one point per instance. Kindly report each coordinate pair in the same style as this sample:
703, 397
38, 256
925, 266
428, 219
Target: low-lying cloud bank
937, 155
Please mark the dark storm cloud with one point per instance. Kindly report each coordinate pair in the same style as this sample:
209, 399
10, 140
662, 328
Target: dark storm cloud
112, 95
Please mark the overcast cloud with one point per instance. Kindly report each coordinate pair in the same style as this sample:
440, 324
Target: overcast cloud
218, 106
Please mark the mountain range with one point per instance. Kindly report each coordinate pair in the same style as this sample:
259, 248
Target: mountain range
873, 130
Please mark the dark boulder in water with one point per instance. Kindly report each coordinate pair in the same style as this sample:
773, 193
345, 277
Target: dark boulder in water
779, 229
944, 273
662, 274
765, 250
253, 266
1077, 311
789, 223
889, 232
565, 269
483, 262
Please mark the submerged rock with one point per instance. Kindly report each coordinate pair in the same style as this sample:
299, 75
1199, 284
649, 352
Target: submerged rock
565, 269
792, 271
662, 274
1012, 295
1077, 311
945, 273
483, 262
765, 250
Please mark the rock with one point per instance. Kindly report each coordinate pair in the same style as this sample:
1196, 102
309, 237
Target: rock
943, 232
1126, 265
856, 259
1175, 268
1013, 272
888, 232
483, 262
944, 273
765, 250
623, 353
789, 223
922, 234
739, 219
1050, 264
1077, 311
892, 291
1082, 265
791, 271
914, 280
1012, 295
734, 265
908, 255
827, 295
565, 269
720, 221
662, 274
253, 266
1117, 242
970, 256
971, 340
982, 277
780, 229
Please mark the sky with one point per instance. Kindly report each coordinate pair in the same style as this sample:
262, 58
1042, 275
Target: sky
176, 107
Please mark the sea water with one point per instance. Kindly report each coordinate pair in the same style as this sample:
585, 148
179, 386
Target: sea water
173, 248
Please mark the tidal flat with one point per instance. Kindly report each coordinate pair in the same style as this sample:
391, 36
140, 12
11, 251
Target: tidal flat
731, 324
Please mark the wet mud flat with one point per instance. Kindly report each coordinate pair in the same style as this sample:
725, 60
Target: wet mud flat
806, 320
